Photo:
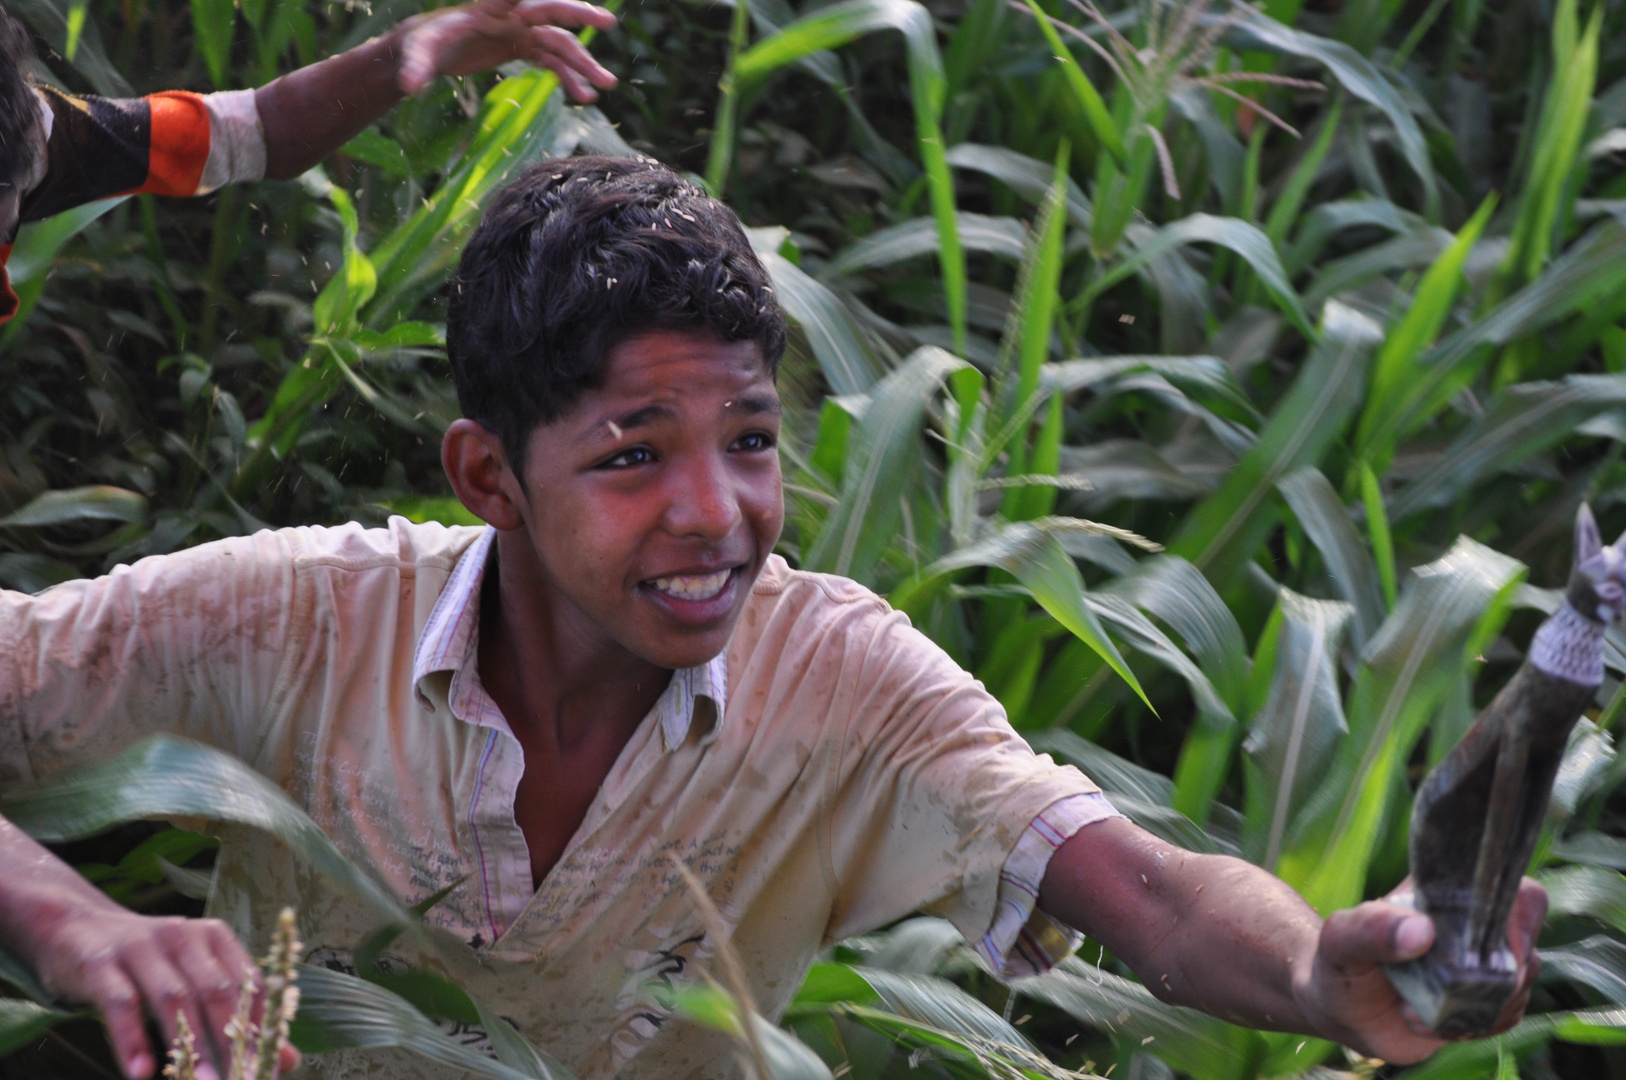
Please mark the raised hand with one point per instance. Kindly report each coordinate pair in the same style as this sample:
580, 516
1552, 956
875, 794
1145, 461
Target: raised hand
479, 36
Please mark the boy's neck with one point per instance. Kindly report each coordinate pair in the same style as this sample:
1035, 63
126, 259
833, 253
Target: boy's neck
553, 673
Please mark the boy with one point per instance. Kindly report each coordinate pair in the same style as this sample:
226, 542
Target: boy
58, 152
614, 677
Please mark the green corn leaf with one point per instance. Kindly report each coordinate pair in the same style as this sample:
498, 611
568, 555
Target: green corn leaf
213, 22
1326, 522
1223, 532
1028, 177
883, 454
99, 502
783, 1056
1598, 962
1521, 421
50, 19
1377, 527
1480, 1058
1140, 633
1592, 267
940, 1004
1172, 589
1189, 1040
1285, 211
168, 777
838, 342
1030, 552
1357, 75
441, 508
1557, 145
1321, 225
14, 971
841, 23
341, 1012
1406, 341
1295, 732
1002, 236
1239, 236
1089, 99
1591, 891
1411, 250
39, 241
1406, 670
23, 1022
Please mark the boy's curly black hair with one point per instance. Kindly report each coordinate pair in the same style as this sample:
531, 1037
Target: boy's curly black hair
575, 257
20, 145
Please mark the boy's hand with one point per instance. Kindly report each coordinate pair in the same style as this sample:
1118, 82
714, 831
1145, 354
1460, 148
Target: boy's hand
479, 36
1347, 991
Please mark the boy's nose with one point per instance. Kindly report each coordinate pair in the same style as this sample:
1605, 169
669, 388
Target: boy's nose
704, 502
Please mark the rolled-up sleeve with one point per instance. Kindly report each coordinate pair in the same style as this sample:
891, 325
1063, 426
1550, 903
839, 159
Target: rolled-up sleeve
192, 643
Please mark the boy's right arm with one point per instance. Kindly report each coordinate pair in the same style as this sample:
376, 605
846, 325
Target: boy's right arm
88, 950
193, 644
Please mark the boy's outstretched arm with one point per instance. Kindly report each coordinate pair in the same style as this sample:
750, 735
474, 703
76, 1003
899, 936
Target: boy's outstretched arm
308, 114
87, 949
1224, 936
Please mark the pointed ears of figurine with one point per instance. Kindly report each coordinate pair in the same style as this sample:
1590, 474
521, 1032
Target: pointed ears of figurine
1604, 566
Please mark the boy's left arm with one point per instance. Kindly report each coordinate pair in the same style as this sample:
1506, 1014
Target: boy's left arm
1224, 936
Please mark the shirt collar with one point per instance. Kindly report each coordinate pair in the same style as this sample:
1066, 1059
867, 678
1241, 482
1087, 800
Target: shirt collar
449, 648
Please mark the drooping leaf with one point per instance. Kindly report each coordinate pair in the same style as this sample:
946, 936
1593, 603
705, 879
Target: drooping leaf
784, 1057
1599, 962
1028, 177
22, 1022
911, 239
341, 1012
1239, 236
1030, 552
167, 777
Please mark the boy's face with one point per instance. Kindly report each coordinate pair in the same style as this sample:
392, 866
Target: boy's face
654, 502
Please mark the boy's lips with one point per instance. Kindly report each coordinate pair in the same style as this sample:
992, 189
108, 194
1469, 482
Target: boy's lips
697, 598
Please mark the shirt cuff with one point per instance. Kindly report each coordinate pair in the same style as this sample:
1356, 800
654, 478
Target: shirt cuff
1024, 941
236, 141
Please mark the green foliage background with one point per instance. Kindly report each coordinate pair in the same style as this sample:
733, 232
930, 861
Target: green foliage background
1218, 385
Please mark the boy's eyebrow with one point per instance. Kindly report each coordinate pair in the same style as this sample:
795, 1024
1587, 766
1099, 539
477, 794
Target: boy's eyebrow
756, 404
612, 427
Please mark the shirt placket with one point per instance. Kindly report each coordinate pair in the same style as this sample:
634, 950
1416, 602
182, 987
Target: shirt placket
502, 857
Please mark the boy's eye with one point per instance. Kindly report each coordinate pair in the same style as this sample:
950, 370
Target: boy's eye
633, 455
756, 440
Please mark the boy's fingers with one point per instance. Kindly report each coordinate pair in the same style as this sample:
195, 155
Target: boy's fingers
115, 996
1374, 933
565, 47
565, 13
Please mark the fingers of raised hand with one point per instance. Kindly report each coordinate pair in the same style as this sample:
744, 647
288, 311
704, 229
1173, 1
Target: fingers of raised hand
112, 993
561, 52
564, 13
1376, 932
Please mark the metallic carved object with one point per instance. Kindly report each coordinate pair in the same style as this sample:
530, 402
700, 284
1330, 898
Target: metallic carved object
1478, 815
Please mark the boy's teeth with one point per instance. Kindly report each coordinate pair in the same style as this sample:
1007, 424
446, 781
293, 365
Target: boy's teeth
692, 586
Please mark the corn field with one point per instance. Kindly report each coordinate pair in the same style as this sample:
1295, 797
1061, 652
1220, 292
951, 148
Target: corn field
1217, 383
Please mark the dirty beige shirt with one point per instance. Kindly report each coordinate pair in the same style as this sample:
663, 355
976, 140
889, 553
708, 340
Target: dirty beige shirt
855, 774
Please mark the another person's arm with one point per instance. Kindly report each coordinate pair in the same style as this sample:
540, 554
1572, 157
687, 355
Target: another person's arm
1224, 936
308, 114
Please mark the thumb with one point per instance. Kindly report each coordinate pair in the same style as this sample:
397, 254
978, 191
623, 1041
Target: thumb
1374, 933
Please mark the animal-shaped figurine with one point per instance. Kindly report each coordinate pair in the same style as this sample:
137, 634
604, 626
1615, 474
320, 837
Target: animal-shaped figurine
1478, 815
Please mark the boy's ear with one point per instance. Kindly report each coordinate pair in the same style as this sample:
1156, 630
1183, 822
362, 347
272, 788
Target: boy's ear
474, 463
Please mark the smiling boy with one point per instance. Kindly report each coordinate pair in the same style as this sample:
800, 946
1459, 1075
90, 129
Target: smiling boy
615, 677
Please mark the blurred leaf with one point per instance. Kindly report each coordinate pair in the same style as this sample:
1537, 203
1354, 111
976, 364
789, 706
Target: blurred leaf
1000, 236
22, 1022
845, 356
168, 777
1028, 177
96, 503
